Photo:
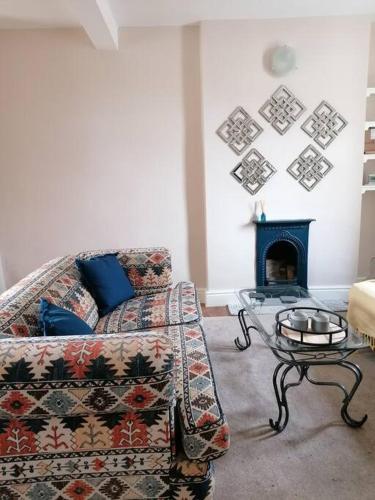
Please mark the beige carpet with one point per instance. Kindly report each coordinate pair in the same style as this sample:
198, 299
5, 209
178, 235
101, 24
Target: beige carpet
317, 456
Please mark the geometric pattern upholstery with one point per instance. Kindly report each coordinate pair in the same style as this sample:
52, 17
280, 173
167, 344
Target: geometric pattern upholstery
93, 417
162, 484
191, 480
119, 486
59, 282
205, 432
47, 377
149, 269
85, 451
174, 307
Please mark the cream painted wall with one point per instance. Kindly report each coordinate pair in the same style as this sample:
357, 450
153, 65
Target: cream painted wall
332, 65
107, 149
366, 266
94, 147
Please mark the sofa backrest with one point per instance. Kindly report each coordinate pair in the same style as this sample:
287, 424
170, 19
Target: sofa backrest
59, 282
149, 269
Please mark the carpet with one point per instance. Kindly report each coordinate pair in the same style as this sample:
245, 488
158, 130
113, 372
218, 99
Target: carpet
317, 456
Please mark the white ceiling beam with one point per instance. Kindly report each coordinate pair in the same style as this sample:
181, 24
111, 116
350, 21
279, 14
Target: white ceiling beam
97, 19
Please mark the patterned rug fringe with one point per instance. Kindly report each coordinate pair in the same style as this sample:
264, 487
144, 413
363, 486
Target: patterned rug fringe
369, 339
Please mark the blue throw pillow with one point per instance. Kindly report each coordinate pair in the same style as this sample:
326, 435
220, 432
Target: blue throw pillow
106, 280
55, 321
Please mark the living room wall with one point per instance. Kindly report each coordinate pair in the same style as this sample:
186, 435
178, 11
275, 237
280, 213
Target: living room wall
103, 149
94, 147
332, 58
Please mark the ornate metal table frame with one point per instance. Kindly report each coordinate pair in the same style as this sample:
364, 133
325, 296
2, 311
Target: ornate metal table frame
302, 361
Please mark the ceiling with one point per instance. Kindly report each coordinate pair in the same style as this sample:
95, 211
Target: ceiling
178, 12
19, 14
101, 19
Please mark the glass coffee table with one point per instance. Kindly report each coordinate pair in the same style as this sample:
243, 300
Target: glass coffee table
261, 305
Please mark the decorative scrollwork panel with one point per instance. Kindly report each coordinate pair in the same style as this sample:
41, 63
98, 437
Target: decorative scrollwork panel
282, 110
239, 130
324, 124
310, 167
253, 171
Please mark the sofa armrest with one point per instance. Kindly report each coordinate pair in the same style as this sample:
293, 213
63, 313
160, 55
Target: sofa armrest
204, 429
82, 375
149, 269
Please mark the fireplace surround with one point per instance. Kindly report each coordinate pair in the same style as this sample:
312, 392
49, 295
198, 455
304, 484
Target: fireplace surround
282, 252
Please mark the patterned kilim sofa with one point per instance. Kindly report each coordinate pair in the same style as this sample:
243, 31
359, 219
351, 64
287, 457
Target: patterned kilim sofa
131, 412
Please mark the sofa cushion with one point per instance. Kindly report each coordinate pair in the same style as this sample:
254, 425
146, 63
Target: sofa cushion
176, 306
85, 375
76, 413
57, 321
106, 280
58, 281
149, 269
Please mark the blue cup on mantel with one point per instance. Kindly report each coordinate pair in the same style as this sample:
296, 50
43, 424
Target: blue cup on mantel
299, 320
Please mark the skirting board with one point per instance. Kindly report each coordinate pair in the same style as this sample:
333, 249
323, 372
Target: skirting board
213, 298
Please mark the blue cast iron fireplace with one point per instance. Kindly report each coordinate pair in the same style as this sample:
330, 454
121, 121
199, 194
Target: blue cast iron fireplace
282, 252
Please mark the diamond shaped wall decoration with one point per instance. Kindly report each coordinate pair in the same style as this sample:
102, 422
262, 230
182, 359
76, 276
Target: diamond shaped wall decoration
282, 109
324, 124
253, 171
310, 167
239, 130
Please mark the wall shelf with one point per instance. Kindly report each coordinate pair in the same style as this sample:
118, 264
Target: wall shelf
370, 91
368, 187
368, 156
369, 125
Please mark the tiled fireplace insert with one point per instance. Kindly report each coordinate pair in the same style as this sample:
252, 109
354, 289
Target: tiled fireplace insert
282, 252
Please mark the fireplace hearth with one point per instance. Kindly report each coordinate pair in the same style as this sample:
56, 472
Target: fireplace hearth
282, 252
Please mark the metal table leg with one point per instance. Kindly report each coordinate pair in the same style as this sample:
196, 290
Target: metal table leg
348, 395
281, 389
245, 330
280, 392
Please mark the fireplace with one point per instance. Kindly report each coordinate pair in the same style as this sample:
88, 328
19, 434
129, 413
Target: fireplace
282, 252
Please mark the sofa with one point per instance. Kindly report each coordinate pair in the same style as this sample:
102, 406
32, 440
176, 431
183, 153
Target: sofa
129, 412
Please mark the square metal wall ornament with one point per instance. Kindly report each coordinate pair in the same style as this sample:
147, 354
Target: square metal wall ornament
324, 124
282, 110
310, 167
239, 130
253, 171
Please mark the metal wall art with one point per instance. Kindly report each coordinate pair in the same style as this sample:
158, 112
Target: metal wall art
282, 109
310, 167
324, 124
253, 171
239, 130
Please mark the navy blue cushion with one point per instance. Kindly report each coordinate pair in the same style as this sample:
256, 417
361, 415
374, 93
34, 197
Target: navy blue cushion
106, 280
55, 321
